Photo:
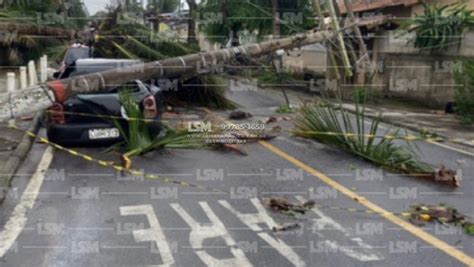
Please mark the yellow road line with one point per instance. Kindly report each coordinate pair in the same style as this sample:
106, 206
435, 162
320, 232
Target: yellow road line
415, 230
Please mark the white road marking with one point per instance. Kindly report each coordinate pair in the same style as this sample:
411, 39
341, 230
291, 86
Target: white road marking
252, 220
216, 228
451, 148
153, 234
325, 222
18, 218
434, 143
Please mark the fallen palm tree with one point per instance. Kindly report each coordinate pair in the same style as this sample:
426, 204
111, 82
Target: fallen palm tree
335, 126
35, 29
39, 97
25, 41
129, 39
140, 139
203, 91
120, 36
29, 29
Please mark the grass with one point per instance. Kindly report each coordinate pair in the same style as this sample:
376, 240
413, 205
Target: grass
316, 121
285, 109
364, 95
271, 78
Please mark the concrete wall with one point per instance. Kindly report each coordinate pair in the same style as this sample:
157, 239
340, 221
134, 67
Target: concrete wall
311, 59
403, 71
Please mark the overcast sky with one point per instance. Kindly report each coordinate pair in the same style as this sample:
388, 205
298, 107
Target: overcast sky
96, 5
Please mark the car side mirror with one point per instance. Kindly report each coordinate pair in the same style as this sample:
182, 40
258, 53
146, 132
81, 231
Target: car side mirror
154, 89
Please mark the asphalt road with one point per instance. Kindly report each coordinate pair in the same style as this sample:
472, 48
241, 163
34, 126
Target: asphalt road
87, 215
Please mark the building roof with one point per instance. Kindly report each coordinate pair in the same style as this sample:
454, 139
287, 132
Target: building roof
366, 5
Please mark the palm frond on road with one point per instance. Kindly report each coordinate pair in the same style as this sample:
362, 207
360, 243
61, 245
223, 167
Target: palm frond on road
335, 126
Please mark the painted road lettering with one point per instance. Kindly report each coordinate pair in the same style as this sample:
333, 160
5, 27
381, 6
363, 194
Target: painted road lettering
201, 232
252, 220
153, 234
323, 222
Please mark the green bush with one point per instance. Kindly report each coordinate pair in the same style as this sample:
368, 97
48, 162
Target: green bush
271, 78
364, 95
440, 26
464, 95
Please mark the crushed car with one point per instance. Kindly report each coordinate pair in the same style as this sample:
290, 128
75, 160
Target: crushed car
90, 119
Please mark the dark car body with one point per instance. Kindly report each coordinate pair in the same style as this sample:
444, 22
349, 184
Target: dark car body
90, 119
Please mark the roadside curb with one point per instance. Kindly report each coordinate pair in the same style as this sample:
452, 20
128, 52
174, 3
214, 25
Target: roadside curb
8, 170
406, 125
373, 114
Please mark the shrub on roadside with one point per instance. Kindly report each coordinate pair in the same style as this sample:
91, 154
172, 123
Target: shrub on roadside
464, 95
364, 95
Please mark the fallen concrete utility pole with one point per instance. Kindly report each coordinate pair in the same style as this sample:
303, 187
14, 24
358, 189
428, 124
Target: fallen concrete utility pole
36, 98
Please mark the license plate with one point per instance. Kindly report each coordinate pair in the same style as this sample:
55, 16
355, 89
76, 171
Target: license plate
103, 133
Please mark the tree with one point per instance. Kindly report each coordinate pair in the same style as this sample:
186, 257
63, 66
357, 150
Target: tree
162, 6
220, 17
34, 18
191, 22
276, 19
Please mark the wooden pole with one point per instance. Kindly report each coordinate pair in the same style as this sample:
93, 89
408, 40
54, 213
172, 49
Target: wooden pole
342, 46
36, 98
276, 19
363, 55
333, 66
192, 38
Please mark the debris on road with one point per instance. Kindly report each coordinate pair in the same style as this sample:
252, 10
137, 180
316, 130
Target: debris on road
239, 115
254, 137
419, 214
277, 129
285, 109
448, 176
233, 147
274, 119
282, 205
286, 227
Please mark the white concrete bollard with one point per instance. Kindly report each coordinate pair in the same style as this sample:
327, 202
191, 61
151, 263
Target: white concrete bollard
23, 80
11, 82
43, 68
32, 73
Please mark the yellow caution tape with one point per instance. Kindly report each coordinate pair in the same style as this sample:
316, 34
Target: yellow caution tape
176, 182
407, 138
115, 166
